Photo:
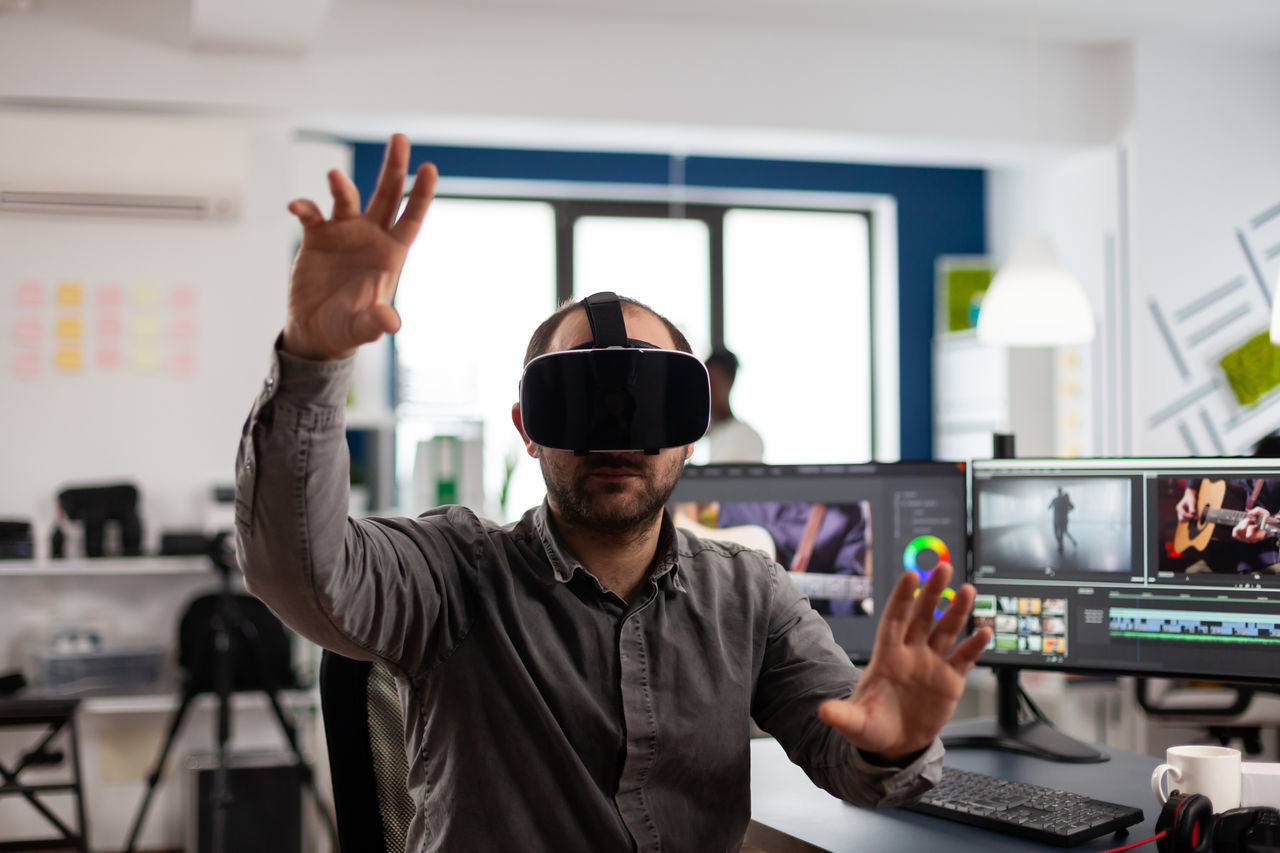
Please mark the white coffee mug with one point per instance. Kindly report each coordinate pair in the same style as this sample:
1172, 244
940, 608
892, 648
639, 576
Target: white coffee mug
1213, 771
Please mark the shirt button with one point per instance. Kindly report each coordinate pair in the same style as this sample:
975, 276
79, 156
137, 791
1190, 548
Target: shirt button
248, 465
269, 383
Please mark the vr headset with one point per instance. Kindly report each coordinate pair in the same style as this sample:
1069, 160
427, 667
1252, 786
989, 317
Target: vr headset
614, 393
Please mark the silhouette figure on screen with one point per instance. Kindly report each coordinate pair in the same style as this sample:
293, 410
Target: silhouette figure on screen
1061, 505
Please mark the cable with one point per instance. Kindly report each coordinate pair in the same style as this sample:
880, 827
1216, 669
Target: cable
1161, 834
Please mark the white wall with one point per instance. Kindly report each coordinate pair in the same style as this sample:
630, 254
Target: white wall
1205, 166
1181, 196
173, 434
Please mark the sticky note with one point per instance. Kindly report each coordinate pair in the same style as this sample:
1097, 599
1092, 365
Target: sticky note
68, 359
70, 294
69, 328
30, 294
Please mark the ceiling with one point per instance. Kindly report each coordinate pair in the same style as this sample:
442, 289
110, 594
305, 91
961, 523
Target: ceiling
1254, 22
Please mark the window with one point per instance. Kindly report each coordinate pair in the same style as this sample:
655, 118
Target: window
479, 278
663, 263
783, 280
797, 315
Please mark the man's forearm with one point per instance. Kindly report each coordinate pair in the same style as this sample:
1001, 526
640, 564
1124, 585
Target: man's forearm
292, 474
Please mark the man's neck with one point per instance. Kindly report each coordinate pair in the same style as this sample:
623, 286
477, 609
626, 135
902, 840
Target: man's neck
619, 561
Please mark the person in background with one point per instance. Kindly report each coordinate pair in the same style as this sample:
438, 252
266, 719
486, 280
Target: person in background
728, 439
582, 679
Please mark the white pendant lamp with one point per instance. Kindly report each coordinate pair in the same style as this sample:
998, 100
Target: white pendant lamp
1033, 301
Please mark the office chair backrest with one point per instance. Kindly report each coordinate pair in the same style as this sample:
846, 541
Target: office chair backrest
260, 652
364, 730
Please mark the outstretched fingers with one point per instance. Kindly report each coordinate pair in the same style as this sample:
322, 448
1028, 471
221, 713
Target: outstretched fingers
968, 652
952, 622
415, 209
897, 611
386, 195
844, 716
307, 212
926, 603
346, 198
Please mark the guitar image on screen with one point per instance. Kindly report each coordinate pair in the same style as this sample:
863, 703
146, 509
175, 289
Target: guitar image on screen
1210, 513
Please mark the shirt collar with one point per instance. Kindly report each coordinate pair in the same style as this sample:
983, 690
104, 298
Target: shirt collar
564, 564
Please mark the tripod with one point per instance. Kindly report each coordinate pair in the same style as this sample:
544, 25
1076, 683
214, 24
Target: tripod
213, 670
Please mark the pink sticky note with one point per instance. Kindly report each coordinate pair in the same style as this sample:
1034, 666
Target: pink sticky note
27, 330
110, 296
109, 325
26, 362
183, 364
183, 297
30, 294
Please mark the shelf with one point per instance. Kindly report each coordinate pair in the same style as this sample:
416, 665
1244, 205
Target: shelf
106, 566
162, 703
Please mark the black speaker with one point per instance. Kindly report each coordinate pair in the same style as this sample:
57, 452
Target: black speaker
265, 814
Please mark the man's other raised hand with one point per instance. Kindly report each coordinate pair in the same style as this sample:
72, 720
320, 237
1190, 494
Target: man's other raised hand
917, 670
348, 265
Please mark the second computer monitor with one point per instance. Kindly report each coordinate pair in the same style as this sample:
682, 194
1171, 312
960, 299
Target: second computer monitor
845, 533
1137, 566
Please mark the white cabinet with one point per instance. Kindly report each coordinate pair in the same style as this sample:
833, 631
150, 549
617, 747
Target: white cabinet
980, 389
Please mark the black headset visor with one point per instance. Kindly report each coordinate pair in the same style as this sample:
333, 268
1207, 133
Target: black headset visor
614, 393
615, 399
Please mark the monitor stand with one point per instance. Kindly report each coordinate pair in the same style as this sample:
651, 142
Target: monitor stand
1010, 732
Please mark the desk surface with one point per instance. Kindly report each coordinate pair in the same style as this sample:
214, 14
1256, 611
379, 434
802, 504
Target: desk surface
783, 800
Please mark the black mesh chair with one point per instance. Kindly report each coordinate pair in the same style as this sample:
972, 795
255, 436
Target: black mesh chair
364, 730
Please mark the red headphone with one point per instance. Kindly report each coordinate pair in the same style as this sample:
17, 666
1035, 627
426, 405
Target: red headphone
1187, 823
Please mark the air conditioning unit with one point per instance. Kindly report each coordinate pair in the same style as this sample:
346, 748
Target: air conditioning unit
119, 164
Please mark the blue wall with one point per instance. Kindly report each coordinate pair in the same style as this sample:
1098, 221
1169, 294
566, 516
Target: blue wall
940, 212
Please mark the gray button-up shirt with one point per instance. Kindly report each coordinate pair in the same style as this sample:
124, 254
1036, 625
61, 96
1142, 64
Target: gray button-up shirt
542, 712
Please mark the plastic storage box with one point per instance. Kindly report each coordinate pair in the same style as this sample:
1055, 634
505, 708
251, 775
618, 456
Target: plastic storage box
100, 671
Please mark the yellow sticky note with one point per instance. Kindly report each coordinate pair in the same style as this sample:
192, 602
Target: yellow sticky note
146, 326
142, 358
70, 294
67, 359
69, 328
146, 296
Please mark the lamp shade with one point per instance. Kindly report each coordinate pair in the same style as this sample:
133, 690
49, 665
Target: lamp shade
1033, 301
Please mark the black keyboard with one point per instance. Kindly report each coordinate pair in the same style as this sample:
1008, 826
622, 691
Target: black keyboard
1046, 815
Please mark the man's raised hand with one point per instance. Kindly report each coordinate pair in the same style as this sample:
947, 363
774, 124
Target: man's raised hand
916, 675
348, 265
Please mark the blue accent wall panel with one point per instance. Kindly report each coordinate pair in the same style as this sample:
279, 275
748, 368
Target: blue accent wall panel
941, 211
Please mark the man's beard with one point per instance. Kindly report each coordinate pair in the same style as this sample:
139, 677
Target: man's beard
616, 519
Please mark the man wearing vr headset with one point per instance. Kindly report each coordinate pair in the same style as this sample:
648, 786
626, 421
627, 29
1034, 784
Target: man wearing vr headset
583, 679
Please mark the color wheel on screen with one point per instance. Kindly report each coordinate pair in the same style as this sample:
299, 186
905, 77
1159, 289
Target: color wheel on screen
922, 555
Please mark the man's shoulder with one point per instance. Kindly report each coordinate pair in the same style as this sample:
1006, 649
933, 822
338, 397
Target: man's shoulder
735, 561
463, 525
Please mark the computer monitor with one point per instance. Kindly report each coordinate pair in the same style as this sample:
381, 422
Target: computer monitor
846, 533
1085, 566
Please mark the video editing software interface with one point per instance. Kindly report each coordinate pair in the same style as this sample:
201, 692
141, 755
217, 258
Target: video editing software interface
1129, 565
845, 533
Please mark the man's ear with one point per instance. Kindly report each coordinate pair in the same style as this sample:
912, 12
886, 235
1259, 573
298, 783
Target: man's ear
688, 451
516, 418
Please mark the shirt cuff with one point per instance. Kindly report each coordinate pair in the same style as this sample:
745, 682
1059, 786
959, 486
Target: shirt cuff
904, 781
304, 382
